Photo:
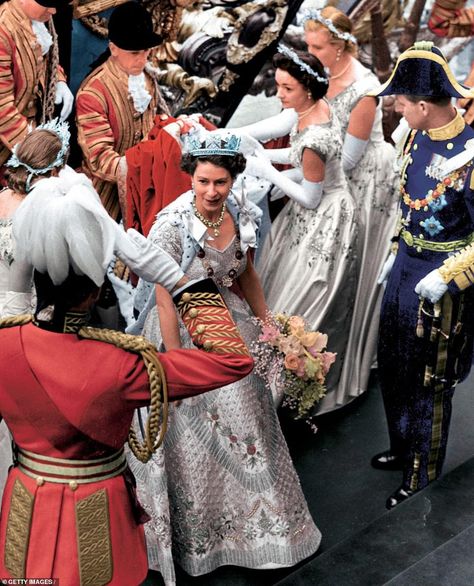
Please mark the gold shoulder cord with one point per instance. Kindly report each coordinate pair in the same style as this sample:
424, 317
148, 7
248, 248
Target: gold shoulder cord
154, 432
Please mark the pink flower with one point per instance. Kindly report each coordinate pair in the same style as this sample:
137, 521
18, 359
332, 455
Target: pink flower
319, 344
290, 345
296, 324
292, 362
301, 370
269, 334
327, 358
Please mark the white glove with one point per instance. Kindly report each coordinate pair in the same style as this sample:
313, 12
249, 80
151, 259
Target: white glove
307, 193
352, 151
146, 259
293, 174
386, 269
269, 128
432, 286
64, 96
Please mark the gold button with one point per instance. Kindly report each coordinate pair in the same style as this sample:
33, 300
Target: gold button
186, 297
39, 480
137, 135
423, 132
201, 329
136, 115
450, 146
208, 345
73, 485
30, 104
415, 147
193, 312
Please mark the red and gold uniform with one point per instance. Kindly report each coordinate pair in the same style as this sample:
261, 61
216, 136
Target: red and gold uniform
68, 510
108, 124
22, 76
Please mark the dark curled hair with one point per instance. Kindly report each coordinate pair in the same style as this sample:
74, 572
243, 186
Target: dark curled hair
38, 149
235, 164
316, 88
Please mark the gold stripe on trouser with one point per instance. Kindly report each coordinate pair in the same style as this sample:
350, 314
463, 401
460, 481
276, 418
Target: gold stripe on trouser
18, 530
439, 387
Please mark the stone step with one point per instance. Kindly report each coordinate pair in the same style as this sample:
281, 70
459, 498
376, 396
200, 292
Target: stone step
415, 532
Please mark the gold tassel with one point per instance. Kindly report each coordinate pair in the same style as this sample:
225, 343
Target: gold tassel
420, 331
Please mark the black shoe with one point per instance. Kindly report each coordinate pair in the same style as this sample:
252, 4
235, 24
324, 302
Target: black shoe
400, 495
387, 461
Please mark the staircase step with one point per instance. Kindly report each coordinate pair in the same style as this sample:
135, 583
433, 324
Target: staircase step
451, 564
397, 540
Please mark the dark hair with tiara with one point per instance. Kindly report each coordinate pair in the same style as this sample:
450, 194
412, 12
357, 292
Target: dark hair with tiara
234, 164
316, 88
38, 149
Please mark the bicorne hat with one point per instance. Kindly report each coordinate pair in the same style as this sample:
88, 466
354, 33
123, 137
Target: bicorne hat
131, 28
422, 70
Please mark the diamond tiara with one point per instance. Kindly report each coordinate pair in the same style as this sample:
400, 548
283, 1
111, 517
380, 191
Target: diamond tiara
284, 50
212, 145
62, 131
312, 14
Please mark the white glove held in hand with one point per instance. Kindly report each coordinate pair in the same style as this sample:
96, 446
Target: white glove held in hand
432, 286
386, 269
64, 96
146, 259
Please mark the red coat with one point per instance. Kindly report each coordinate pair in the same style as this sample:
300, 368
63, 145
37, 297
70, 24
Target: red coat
65, 397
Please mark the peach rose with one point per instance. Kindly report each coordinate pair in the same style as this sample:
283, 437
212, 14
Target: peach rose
292, 362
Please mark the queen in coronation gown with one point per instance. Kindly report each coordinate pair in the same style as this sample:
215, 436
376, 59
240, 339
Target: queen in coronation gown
222, 489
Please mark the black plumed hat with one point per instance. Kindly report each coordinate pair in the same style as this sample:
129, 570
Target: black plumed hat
58, 4
131, 28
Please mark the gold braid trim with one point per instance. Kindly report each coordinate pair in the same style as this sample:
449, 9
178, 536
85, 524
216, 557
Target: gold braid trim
15, 320
154, 432
459, 268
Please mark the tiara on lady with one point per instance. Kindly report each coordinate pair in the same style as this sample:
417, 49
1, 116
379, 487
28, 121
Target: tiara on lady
313, 14
59, 128
284, 50
212, 145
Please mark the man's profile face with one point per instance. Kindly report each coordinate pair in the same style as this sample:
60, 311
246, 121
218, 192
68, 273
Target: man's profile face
413, 112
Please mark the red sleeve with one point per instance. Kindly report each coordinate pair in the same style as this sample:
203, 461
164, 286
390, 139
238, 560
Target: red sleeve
188, 372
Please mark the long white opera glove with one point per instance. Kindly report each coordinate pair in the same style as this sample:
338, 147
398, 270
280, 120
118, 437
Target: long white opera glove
352, 151
432, 286
64, 96
386, 269
147, 260
269, 128
295, 174
307, 193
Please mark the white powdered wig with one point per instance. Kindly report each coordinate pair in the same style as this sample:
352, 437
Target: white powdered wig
62, 224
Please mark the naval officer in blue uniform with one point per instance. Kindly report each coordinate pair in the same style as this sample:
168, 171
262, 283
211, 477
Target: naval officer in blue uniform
427, 317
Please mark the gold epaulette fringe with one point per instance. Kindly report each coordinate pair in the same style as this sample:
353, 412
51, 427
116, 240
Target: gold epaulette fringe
459, 268
157, 419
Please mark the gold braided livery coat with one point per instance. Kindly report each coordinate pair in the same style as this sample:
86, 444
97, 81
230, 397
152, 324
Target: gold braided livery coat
108, 124
22, 76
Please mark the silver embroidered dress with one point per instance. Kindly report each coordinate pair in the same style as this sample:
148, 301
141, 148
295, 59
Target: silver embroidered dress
308, 265
223, 489
6, 259
373, 184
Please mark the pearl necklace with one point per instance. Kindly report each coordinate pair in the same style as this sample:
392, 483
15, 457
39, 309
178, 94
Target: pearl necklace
341, 73
308, 111
215, 225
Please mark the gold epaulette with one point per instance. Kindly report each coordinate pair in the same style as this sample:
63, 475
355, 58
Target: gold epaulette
15, 320
156, 424
460, 268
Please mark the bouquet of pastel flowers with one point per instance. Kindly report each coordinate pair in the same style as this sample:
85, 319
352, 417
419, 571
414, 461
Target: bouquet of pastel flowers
293, 362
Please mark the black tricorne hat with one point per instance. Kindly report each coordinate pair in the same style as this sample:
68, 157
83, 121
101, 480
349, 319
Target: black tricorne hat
422, 70
131, 28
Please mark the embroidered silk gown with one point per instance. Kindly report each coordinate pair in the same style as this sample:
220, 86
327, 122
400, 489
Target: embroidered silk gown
223, 490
